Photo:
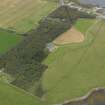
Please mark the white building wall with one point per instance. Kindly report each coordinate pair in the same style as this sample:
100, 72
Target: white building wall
61, 2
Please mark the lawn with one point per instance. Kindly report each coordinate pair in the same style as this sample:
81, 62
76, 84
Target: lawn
10, 95
23, 16
74, 70
8, 40
84, 24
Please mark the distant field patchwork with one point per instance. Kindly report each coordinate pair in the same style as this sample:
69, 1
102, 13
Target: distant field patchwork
73, 70
23, 15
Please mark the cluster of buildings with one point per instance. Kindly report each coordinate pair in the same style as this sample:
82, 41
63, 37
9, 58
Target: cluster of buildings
99, 11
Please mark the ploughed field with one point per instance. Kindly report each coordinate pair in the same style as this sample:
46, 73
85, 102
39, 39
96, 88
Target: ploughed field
74, 69
71, 36
21, 16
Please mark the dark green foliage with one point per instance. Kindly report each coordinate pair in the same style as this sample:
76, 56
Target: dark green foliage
28, 75
69, 13
86, 15
64, 12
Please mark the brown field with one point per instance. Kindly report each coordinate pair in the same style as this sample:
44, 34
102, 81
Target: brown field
23, 15
71, 36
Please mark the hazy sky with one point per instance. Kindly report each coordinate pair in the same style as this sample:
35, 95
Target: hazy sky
98, 2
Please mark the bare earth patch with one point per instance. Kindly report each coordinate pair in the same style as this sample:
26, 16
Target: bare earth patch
71, 36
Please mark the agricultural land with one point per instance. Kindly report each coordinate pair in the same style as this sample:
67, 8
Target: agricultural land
33, 73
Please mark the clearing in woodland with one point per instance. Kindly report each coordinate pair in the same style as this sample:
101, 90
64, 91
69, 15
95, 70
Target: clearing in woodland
71, 36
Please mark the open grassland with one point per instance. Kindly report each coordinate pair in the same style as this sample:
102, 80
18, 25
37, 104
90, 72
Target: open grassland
23, 15
10, 95
84, 24
8, 40
74, 70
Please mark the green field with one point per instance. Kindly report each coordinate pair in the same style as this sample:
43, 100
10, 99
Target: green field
84, 24
75, 69
23, 16
10, 95
8, 40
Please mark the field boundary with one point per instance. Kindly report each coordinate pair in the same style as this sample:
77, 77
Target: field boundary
84, 98
85, 37
72, 35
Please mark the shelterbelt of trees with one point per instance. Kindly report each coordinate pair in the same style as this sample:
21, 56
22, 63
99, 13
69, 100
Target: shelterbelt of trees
24, 62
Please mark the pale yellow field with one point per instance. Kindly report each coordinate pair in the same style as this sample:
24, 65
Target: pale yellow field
23, 15
71, 36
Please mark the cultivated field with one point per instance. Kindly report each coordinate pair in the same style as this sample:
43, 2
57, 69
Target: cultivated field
10, 95
74, 69
71, 36
8, 40
23, 15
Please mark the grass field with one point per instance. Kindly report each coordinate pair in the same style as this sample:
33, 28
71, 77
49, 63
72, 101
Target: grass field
74, 70
10, 95
84, 24
23, 16
8, 40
